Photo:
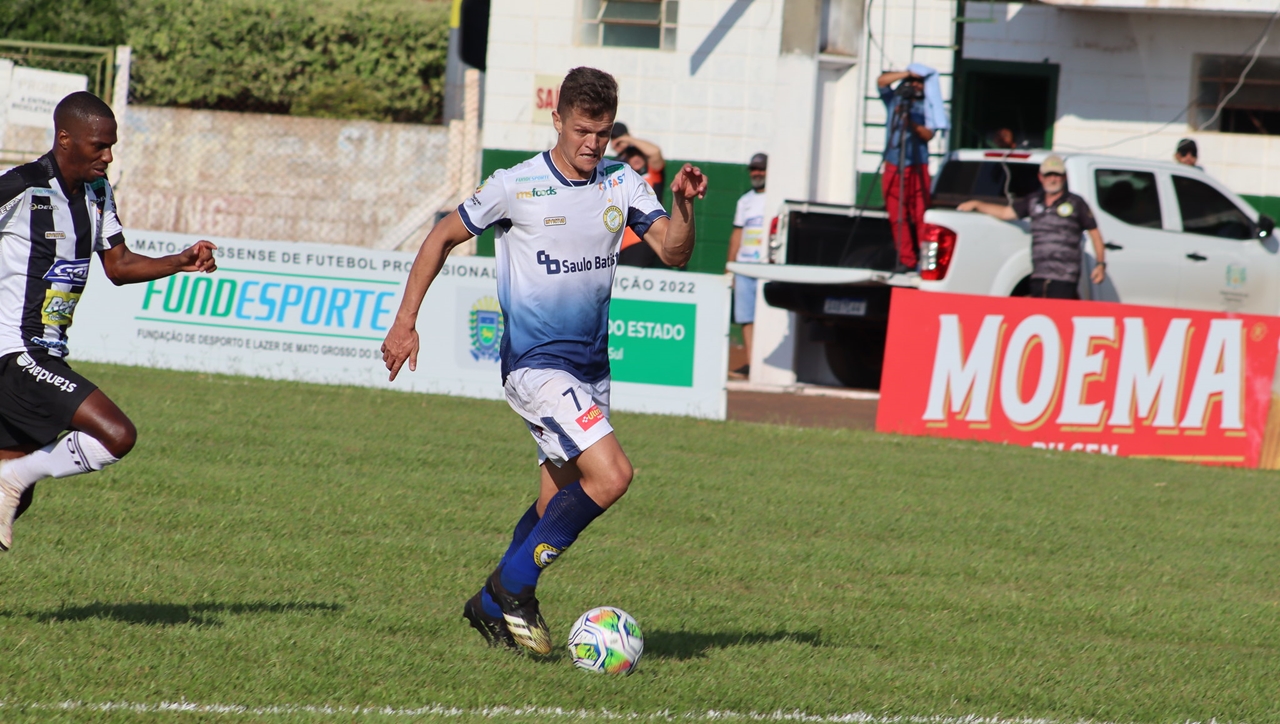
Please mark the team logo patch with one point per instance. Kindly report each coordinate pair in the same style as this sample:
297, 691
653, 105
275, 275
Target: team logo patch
59, 307
588, 419
544, 554
55, 234
486, 329
66, 271
1066, 209
613, 219
555, 221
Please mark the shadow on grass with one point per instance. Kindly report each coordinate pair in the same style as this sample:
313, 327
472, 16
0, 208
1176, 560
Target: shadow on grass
173, 614
682, 645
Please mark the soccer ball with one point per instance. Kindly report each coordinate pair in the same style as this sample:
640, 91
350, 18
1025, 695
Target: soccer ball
606, 640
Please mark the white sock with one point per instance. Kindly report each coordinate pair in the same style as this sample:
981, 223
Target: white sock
74, 454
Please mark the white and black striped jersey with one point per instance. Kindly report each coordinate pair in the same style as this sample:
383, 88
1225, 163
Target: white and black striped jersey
47, 234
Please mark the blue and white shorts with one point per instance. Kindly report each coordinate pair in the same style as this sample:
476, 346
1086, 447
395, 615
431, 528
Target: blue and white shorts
744, 299
564, 414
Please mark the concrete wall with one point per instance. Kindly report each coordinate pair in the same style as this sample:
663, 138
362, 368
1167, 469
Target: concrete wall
722, 112
261, 176
1125, 75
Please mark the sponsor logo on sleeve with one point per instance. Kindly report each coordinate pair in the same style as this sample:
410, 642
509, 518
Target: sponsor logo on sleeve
588, 419
68, 271
59, 307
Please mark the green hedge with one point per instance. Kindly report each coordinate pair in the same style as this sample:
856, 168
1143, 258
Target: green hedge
371, 60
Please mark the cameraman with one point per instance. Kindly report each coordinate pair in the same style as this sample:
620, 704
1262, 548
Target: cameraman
905, 181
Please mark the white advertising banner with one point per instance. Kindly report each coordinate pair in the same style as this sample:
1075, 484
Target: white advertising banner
34, 93
318, 313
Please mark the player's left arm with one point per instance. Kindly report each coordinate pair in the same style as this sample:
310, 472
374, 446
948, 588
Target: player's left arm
673, 238
125, 267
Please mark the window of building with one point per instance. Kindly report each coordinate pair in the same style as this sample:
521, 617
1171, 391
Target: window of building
1206, 211
1130, 196
1255, 108
629, 23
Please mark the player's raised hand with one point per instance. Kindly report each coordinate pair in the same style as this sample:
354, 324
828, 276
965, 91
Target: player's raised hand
401, 344
689, 183
198, 257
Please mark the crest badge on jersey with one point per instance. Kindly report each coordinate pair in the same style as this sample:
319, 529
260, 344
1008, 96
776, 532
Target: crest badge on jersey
486, 329
613, 219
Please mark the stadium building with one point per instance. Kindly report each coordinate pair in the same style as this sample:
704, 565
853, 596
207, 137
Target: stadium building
714, 81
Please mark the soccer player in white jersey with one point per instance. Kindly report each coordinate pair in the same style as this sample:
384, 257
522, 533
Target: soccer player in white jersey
54, 214
559, 218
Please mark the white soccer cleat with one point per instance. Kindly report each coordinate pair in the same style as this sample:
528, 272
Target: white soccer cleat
10, 497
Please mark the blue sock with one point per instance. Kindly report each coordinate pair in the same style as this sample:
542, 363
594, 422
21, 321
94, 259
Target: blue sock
570, 511
522, 531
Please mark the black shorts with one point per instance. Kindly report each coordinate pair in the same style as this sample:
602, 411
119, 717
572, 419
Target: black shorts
39, 394
1054, 289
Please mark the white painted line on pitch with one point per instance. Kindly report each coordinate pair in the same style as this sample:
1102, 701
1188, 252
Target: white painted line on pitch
506, 712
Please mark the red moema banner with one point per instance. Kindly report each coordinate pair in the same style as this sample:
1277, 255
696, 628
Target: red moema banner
1094, 377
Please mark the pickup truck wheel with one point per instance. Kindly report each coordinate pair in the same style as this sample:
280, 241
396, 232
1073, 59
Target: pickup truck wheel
857, 362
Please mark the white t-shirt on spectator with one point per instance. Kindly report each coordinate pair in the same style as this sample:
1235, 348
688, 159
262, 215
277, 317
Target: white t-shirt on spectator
749, 217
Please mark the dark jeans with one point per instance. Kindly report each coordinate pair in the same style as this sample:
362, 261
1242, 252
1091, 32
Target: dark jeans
1054, 289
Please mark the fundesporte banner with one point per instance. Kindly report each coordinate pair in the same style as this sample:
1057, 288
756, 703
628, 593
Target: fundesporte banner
318, 313
1094, 377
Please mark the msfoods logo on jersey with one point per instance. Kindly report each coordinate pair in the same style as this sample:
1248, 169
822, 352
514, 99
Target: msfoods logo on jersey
75, 272
573, 266
251, 300
536, 193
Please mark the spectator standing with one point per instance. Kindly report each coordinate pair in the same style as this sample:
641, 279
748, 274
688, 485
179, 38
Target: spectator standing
645, 158
747, 244
1058, 219
912, 121
1187, 153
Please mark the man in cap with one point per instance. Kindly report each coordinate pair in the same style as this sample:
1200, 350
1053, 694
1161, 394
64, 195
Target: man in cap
645, 158
1058, 219
747, 243
1187, 153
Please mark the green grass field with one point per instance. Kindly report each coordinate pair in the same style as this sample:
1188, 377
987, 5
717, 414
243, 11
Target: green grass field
282, 546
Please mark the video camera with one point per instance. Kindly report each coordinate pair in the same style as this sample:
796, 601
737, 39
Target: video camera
908, 90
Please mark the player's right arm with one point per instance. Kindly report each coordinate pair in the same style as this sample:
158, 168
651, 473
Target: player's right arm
402, 339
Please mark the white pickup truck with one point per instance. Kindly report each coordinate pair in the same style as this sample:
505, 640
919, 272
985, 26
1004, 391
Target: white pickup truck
1175, 237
